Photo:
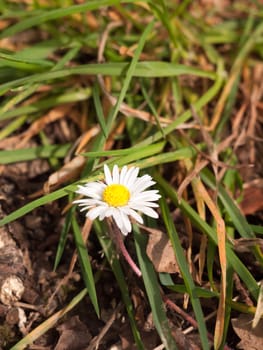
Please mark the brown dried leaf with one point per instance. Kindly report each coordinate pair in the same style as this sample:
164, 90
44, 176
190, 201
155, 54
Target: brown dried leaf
68, 172
160, 252
251, 338
52, 116
149, 338
253, 200
74, 335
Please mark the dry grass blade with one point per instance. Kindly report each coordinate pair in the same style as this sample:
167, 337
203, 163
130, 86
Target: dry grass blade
221, 237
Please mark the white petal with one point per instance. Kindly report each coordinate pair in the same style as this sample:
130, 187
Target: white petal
123, 174
94, 191
146, 210
133, 214
104, 213
117, 218
127, 175
135, 205
88, 201
87, 207
146, 196
142, 183
122, 221
115, 174
107, 173
94, 185
131, 176
109, 212
126, 222
94, 212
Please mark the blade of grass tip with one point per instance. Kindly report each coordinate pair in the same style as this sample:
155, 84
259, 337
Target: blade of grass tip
153, 291
63, 236
49, 323
184, 269
85, 264
111, 256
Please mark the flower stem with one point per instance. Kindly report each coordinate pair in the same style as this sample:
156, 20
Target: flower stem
118, 239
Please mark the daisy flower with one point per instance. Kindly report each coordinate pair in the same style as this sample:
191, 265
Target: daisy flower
121, 196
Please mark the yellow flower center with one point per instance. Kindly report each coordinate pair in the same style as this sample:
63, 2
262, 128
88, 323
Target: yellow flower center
116, 195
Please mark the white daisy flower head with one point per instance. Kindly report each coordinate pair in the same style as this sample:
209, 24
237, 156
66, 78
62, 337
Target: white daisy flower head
121, 196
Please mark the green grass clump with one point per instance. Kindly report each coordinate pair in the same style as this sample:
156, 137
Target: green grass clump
153, 84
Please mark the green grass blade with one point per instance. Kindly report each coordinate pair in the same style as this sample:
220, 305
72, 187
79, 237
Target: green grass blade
243, 273
27, 154
142, 69
114, 262
68, 97
24, 64
99, 111
238, 219
153, 291
13, 126
184, 269
85, 265
256, 229
63, 237
128, 154
37, 203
